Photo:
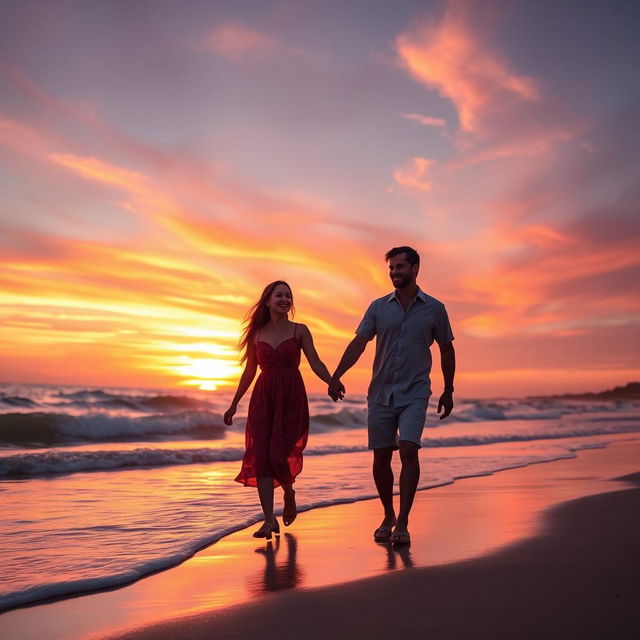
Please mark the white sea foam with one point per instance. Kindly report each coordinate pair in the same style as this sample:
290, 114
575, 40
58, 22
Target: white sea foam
64, 461
55, 428
69, 459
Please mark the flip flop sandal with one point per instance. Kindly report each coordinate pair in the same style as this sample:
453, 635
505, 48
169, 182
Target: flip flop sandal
401, 537
382, 534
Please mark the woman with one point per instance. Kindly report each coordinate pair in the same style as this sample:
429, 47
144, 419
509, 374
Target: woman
278, 421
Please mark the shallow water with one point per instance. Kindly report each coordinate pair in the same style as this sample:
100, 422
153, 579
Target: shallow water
115, 502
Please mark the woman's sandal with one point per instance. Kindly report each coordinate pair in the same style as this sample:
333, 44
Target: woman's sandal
267, 529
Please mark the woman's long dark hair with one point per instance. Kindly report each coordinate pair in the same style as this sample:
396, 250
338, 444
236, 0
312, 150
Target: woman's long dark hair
258, 316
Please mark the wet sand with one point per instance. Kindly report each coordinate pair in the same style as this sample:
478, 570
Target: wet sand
546, 550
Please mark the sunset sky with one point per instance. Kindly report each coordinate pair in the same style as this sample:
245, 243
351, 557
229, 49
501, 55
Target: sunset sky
160, 162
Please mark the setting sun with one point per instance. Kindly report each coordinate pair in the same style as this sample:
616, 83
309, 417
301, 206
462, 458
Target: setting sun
206, 373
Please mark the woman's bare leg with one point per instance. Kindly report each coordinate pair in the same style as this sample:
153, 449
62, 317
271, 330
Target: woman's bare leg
290, 511
265, 493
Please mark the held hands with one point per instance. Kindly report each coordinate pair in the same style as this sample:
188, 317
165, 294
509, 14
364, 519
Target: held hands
336, 390
228, 415
446, 403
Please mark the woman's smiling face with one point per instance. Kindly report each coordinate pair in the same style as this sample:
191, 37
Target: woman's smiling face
281, 299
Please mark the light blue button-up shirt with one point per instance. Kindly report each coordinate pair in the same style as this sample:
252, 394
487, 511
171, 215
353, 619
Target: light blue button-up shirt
402, 362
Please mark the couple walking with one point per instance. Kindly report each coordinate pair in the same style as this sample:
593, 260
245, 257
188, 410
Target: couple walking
405, 324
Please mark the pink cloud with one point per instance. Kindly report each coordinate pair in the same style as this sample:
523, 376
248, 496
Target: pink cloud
413, 174
236, 41
427, 121
519, 143
19, 137
451, 58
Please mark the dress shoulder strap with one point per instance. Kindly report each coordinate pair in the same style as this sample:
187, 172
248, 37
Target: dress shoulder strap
295, 328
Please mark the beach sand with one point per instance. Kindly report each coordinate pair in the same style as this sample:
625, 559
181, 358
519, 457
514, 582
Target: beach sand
550, 550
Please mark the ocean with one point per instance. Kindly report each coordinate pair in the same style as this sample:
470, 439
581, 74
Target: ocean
99, 487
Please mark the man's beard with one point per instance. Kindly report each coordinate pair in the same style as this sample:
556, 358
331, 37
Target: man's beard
404, 282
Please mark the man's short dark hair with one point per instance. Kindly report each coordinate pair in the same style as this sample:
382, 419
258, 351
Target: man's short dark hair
412, 255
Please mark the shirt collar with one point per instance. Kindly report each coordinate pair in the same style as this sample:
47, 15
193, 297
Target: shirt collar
420, 295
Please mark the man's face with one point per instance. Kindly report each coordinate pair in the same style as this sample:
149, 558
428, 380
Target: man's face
401, 272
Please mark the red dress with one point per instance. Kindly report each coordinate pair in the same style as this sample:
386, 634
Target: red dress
278, 421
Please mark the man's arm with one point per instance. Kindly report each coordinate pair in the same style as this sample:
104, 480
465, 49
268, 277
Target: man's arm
350, 356
448, 365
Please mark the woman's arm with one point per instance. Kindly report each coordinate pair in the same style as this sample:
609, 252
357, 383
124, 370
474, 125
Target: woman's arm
317, 366
246, 379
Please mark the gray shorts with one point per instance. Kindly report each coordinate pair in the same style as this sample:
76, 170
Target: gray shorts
387, 424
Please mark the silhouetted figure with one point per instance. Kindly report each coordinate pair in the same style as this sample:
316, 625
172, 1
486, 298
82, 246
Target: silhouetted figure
405, 325
278, 421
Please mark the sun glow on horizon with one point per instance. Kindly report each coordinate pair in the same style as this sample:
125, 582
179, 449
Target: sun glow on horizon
207, 374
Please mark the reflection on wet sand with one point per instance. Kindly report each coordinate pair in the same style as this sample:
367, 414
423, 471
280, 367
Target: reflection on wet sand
402, 551
278, 574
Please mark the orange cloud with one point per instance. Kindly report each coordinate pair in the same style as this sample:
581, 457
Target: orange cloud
518, 295
100, 171
154, 308
452, 59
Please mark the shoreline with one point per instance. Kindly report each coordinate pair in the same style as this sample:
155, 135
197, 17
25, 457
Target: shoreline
331, 547
50, 594
577, 579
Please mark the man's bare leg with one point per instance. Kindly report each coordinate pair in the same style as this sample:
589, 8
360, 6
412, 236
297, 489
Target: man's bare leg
383, 477
409, 477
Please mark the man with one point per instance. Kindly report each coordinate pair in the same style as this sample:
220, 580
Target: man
405, 324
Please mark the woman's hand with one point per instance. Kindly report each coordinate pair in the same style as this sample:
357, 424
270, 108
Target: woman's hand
228, 415
336, 390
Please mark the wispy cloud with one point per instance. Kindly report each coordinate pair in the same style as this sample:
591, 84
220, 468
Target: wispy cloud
427, 121
237, 41
450, 57
21, 138
96, 169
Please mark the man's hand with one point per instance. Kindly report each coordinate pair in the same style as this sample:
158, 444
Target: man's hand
336, 390
446, 403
